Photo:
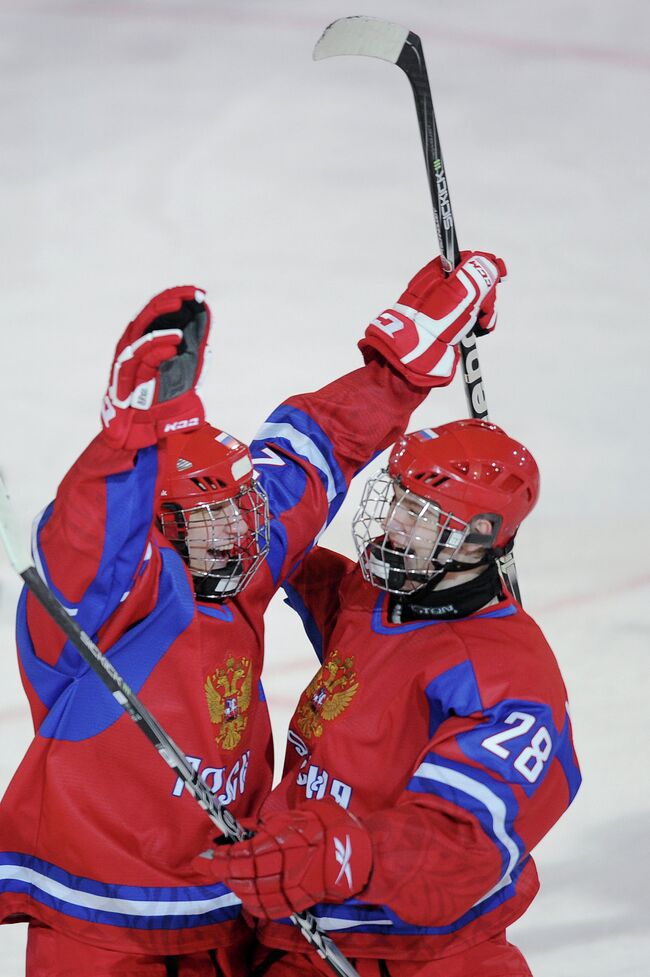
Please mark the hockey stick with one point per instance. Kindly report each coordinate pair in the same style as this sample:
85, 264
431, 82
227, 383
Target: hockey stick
220, 816
376, 38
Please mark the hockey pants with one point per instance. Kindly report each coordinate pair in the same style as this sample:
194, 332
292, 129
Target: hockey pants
493, 958
51, 954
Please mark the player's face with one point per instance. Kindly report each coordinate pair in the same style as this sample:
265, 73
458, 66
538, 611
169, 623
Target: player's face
412, 525
212, 533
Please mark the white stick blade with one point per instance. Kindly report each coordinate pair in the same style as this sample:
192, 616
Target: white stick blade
17, 552
368, 36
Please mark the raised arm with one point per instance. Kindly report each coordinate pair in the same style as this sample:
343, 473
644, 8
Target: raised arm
311, 446
92, 543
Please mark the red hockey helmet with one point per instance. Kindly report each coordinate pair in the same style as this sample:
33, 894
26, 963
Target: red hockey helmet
212, 510
416, 515
470, 468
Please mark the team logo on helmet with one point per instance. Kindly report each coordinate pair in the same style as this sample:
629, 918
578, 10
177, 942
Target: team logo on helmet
328, 695
228, 693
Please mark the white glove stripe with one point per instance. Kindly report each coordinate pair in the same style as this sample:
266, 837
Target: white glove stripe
445, 364
477, 276
483, 285
435, 326
432, 328
429, 329
425, 341
125, 356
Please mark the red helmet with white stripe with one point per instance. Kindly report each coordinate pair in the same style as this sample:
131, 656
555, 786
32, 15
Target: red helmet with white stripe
212, 510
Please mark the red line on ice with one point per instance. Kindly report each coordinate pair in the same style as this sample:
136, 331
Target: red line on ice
518, 45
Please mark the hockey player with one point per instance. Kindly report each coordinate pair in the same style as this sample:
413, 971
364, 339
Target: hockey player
160, 543
432, 750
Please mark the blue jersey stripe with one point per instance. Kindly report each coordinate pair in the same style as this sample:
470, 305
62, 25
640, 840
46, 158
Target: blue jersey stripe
490, 801
565, 757
116, 905
295, 601
354, 916
379, 627
129, 515
221, 611
79, 706
39, 524
278, 546
499, 612
454, 692
521, 723
296, 433
305, 437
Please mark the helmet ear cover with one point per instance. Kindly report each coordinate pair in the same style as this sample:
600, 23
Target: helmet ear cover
485, 539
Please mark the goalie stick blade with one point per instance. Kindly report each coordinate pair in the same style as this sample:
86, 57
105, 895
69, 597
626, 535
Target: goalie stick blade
368, 36
17, 552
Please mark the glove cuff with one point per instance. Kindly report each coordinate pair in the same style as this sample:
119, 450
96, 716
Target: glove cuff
141, 429
446, 360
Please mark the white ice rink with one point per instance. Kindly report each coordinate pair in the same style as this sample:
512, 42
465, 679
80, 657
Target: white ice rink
146, 144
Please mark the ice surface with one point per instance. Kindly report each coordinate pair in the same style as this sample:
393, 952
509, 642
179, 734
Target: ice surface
152, 143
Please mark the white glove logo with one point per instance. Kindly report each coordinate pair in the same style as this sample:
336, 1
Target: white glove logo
388, 323
343, 856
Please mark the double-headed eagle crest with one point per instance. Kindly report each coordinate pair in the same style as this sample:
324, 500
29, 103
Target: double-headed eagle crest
328, 694
228, 691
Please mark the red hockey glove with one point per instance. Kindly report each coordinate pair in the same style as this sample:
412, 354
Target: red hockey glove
156, 369
419, 335
318, 852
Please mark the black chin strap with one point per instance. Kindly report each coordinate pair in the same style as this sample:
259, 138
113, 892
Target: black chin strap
207, 587
452, 603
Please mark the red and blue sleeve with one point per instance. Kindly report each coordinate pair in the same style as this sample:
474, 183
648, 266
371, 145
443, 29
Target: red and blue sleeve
497, 773
311, 447
312, 591
91, 545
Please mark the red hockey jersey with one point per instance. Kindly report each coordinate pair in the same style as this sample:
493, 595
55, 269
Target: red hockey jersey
450, 740
97, 837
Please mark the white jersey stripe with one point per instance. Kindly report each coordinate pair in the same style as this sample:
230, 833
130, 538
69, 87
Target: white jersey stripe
38, 563
494, 804
302, 445
132, 907
332, 923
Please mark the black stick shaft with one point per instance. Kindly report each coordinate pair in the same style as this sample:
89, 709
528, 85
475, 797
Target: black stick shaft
128, 700
171, 754
412, 63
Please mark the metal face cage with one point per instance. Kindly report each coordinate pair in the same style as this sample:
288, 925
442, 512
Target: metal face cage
222, 543
402, 539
